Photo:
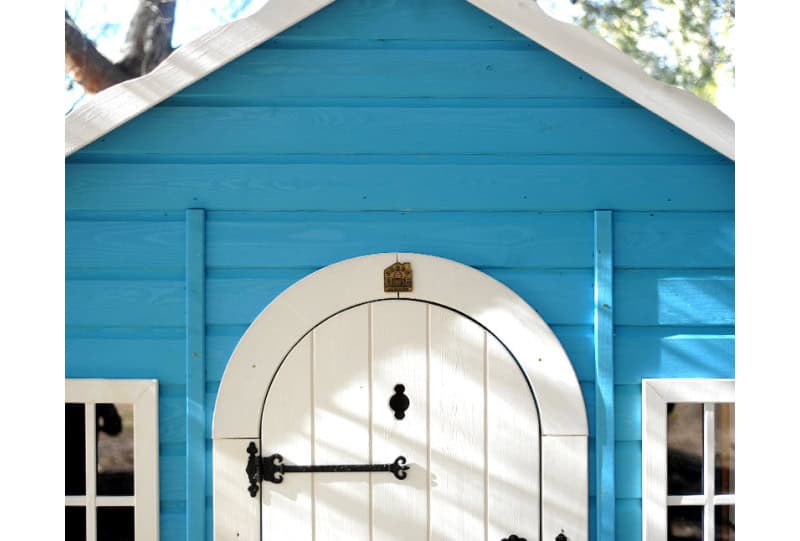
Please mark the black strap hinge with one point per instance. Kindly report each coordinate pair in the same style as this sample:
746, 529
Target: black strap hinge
273, 469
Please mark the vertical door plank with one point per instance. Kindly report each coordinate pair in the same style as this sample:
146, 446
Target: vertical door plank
564, 480
342, 425
512, 437
399, 354
286, 428
457, 453
236, 514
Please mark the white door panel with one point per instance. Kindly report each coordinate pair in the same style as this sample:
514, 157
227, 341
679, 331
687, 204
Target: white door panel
470, 433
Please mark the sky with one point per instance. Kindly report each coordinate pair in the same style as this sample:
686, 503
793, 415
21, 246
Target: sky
105, 22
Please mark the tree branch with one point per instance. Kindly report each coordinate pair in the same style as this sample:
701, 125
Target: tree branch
85, 63
149, 38
147, 43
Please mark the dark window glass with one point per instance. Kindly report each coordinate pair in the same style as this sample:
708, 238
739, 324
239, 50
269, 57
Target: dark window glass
115, 449
684, 449
75, 449
75, 523
685, 523
115, 524
724, 451
723, 523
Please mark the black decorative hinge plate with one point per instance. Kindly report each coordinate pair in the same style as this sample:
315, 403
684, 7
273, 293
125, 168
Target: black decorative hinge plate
273, 469
253, 469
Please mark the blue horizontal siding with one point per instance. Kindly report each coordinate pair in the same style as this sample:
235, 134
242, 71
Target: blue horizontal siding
468, 72
441, 129
172, 419
467, 183
150, 245
629, 519
172, 478
560, 240
128, 358
628, 459
124, 303
628, 421
401, 20
673, 352
561, 296
674, 297
673, 239
173, 526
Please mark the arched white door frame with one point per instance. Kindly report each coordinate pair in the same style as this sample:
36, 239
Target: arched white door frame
564, 427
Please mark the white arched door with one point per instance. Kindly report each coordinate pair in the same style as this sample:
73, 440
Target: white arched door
312, 379
469, 432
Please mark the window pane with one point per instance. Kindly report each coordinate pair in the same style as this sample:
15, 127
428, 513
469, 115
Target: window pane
684, 449
115, 524
75, 449
723, 523
724, 452
75, 523
685, 523
115, 449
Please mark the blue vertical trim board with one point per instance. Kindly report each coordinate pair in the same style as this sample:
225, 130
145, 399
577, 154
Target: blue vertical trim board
195, 374
604, 376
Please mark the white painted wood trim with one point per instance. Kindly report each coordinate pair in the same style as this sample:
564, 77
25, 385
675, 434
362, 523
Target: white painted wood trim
237, 413
506, 315
193, 61
145, 462
708, 470
716, 499
656, 394
188, 64
257, 356
565, 487
240, 399
605, 62
237, 516
143, 395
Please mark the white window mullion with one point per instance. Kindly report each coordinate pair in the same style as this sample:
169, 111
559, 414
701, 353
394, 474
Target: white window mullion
686, 500
724, 499
90, 424
709, 447
116, 501
75, 501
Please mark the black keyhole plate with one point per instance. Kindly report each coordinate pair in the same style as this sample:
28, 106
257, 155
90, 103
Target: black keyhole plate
399, 401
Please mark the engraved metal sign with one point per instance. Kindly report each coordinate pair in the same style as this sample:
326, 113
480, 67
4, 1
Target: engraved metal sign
398, 278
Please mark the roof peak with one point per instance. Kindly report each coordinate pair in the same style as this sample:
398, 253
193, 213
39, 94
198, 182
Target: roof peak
193, 61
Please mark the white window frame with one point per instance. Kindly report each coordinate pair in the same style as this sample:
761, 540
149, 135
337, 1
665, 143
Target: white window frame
656, 394
143, 394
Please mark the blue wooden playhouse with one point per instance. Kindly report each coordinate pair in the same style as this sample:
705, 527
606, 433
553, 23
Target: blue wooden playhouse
482, 133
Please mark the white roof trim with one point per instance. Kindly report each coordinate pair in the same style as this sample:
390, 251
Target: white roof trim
189, 63
605, 62
193, 61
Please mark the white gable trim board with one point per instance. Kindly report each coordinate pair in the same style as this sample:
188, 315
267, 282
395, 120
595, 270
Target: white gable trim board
333, 289
193, 61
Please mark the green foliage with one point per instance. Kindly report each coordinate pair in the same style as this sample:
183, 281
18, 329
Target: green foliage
682, 42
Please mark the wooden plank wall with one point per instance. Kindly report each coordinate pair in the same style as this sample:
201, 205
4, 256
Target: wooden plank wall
420, 126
